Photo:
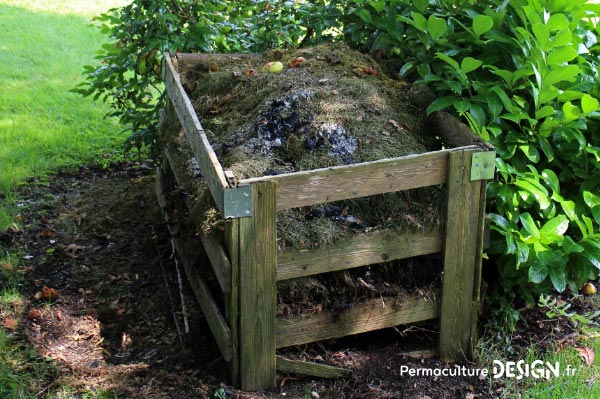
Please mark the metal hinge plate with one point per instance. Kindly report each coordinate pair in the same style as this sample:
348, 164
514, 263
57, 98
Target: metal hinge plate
237, 202
483, 165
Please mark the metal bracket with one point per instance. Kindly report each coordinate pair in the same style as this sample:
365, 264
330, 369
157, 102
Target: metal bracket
237, 202
483, 165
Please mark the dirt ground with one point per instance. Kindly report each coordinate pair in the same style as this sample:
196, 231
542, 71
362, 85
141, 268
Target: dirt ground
125, 319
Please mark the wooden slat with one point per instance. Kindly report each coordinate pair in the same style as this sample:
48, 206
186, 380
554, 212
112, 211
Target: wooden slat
214, 250
310, 368
187, 61
368, 316
218, 260
257, 290
232, 299
206, 157
463, 230
358, 180
216, 322
361, 250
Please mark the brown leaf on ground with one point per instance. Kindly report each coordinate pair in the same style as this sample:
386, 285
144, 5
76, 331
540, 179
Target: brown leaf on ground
60, 316
46, 233
296, 62
49, 294
587, 354
9, 323
370, 71
27, 269
34, 314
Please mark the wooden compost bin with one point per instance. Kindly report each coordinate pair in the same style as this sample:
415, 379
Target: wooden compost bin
249, 266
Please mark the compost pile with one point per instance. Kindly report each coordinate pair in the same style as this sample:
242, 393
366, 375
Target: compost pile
328, 106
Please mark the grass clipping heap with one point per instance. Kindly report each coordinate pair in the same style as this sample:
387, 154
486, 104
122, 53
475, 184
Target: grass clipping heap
327, 106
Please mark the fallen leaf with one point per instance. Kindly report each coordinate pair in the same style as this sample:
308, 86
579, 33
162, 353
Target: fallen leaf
296, 62
49, 294
587, 354
236, 74
73, 250
46, 233
251, 72
370, 71
37, 296
59, 315
214, 67
34, 314
396, 125
27, 269
38, 283
9, 324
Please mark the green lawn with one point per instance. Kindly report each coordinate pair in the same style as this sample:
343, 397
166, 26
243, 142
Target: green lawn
42, 126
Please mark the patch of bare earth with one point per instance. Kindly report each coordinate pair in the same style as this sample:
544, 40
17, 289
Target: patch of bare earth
124, 322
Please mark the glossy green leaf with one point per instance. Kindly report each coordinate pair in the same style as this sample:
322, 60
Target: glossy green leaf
570, 246
419, 21
420, 5
588, 104
558, 278
441, 103
365, 15
545, 111
522, 252
537, 272
542, 34
570, 111
530, 152
557, 226
558, 22
469, 64
562, 74
482, 24
551, 179
591, 199
561, 55
529, 225
436, 27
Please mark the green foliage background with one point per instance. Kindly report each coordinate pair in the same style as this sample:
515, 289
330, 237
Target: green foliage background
522, 73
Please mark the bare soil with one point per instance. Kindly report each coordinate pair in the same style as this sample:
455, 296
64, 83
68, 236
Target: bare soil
98, 238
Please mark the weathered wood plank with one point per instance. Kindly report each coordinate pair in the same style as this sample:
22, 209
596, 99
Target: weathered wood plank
484, 223
310, 368
187, 61
358, 180
463, 230
218, 260
362, 250
368, 316
206, 157
232, 299
257, 290
217, 324
214, 250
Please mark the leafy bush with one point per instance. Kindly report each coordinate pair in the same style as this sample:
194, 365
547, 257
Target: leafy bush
523, 74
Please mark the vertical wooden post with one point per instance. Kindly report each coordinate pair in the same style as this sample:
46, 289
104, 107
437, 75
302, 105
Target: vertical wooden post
232, 300
257, 290
461, 256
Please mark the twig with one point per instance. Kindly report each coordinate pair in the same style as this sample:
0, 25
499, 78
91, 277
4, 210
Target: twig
171, 302
183, 309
